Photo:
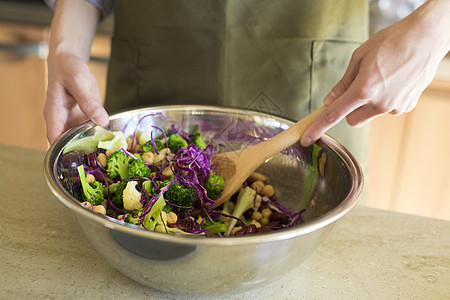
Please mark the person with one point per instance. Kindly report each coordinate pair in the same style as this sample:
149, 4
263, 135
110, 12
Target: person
290, 56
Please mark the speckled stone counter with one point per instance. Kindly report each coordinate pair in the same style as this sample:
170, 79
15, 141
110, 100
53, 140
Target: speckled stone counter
371, 254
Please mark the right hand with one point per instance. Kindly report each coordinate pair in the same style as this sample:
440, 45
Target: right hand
73, 95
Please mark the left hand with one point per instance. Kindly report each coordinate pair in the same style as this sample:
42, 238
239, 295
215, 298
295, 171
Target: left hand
388, 73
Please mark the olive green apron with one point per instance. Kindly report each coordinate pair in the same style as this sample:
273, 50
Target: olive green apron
277, 56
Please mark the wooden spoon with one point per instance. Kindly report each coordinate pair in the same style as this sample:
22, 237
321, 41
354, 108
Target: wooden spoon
236, 166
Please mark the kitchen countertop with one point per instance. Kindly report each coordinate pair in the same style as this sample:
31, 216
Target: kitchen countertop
371, 254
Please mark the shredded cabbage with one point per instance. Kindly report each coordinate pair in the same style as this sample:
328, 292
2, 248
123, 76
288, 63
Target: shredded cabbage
145, 198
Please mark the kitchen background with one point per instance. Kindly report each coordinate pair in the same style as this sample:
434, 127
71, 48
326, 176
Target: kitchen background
409, 161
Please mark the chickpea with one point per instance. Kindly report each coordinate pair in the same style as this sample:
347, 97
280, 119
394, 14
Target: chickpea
235, 229
148, 157
129, 142
103, 160
256, 223
256, 215
90, 178
162, 153
264, 221
268, 190
109, 152
266, 212
99, 209
172, 218
258, 177
167, 172
88, 205
258, 186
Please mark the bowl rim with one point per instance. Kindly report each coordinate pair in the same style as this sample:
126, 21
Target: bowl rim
329, 217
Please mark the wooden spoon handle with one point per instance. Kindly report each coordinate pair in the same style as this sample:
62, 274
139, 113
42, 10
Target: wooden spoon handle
285, 138
237, 166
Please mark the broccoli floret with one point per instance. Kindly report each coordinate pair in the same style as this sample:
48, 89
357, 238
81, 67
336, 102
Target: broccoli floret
179, 195
118, 164
214, 186
148, 146
155, 219
176, 141
131, 196
197, 140
137, 167
133, 219
214, 226
94, 193
117, 192
152, 217
246, 199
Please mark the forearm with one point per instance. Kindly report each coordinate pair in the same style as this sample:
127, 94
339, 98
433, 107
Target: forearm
73, 28
432, 23
72, 93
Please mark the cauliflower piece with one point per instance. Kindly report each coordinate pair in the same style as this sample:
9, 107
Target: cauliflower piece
131, 196
118, 141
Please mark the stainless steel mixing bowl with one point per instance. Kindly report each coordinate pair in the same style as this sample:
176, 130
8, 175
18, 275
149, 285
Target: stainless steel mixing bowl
198, 265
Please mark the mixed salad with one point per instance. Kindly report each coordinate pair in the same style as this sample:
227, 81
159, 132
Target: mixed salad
165, 181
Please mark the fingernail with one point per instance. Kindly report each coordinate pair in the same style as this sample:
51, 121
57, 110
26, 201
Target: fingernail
306, 141
101, 120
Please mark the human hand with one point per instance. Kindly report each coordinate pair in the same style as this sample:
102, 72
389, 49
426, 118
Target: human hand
387, 74
73, 95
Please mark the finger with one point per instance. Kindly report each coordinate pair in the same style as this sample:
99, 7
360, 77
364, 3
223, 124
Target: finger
54, 128
406, 105
363, 115
395, 112
84, 88
353, 98
332, 115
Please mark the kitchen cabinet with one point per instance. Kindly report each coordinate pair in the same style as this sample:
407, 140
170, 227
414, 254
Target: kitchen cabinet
22, 85
409, 157
23, 74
